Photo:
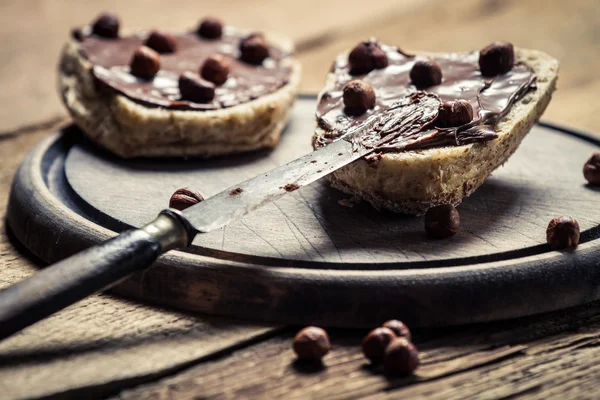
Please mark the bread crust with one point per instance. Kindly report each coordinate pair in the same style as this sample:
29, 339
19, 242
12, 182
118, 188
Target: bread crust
411, 182
130, 129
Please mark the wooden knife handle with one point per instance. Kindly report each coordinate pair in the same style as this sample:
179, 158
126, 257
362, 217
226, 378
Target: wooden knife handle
88, 272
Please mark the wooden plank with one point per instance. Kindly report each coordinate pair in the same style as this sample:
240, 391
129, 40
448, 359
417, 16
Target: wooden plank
549, 356
104, 343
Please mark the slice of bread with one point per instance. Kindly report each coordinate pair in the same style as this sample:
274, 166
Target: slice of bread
413, 181
131, 129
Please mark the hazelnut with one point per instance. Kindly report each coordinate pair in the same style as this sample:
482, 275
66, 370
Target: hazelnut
359, 96
375, 343
455, 113
496, 58
563, 233
426, 73
254, 49
442, 221
215, 69
591, 170
311, 343
367, 56
106, 25
145, 63
398, 328
210, 28
401, 358
193, 88
161, 42
184, 198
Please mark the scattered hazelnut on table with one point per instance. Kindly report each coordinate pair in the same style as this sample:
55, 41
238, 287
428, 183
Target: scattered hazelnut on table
401, 358
210, 28
358, 96
425, 73
311, 343
145, 63
563, 233
442, 221
215, 69
455, 113
591, 170
106, 25
496, 58
376, 342
184, 198
367, 56
254, 49
161, 42
193, 88
399, 328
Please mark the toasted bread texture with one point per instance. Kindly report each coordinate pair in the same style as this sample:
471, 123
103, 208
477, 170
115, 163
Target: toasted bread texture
411, 182
130, 129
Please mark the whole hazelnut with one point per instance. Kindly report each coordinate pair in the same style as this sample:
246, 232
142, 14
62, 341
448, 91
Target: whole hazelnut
215, 69
442, 221
591, 170
563, 233
145, 63
401, 357
184, 198
161, 42
426, 73
367, 56
254, 49
210, 28
106, 25
496, 58
311, 343
375, 343
193, 88
359, 96
399, 328
455, 113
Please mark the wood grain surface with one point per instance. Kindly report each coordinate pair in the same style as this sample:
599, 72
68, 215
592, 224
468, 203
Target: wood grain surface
541, 358
554, 356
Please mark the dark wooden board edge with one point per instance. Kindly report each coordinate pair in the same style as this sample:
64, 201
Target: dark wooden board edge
346, 298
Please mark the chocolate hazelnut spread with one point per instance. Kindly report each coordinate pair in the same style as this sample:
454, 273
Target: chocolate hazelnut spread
490, 98
245, 82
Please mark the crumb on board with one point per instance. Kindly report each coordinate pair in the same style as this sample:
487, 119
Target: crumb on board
236, 191
313, 161
290, 187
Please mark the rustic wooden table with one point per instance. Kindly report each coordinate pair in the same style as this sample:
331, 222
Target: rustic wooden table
107, 346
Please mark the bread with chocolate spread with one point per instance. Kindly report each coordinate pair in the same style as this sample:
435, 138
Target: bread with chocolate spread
213, 91
486, 103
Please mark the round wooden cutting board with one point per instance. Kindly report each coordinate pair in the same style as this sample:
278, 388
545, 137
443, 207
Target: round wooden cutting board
315, 257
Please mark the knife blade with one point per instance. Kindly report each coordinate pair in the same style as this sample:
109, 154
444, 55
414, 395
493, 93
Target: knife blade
106, 264
401, 120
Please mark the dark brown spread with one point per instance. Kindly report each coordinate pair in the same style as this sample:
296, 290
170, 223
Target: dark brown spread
490, 97
111, 58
